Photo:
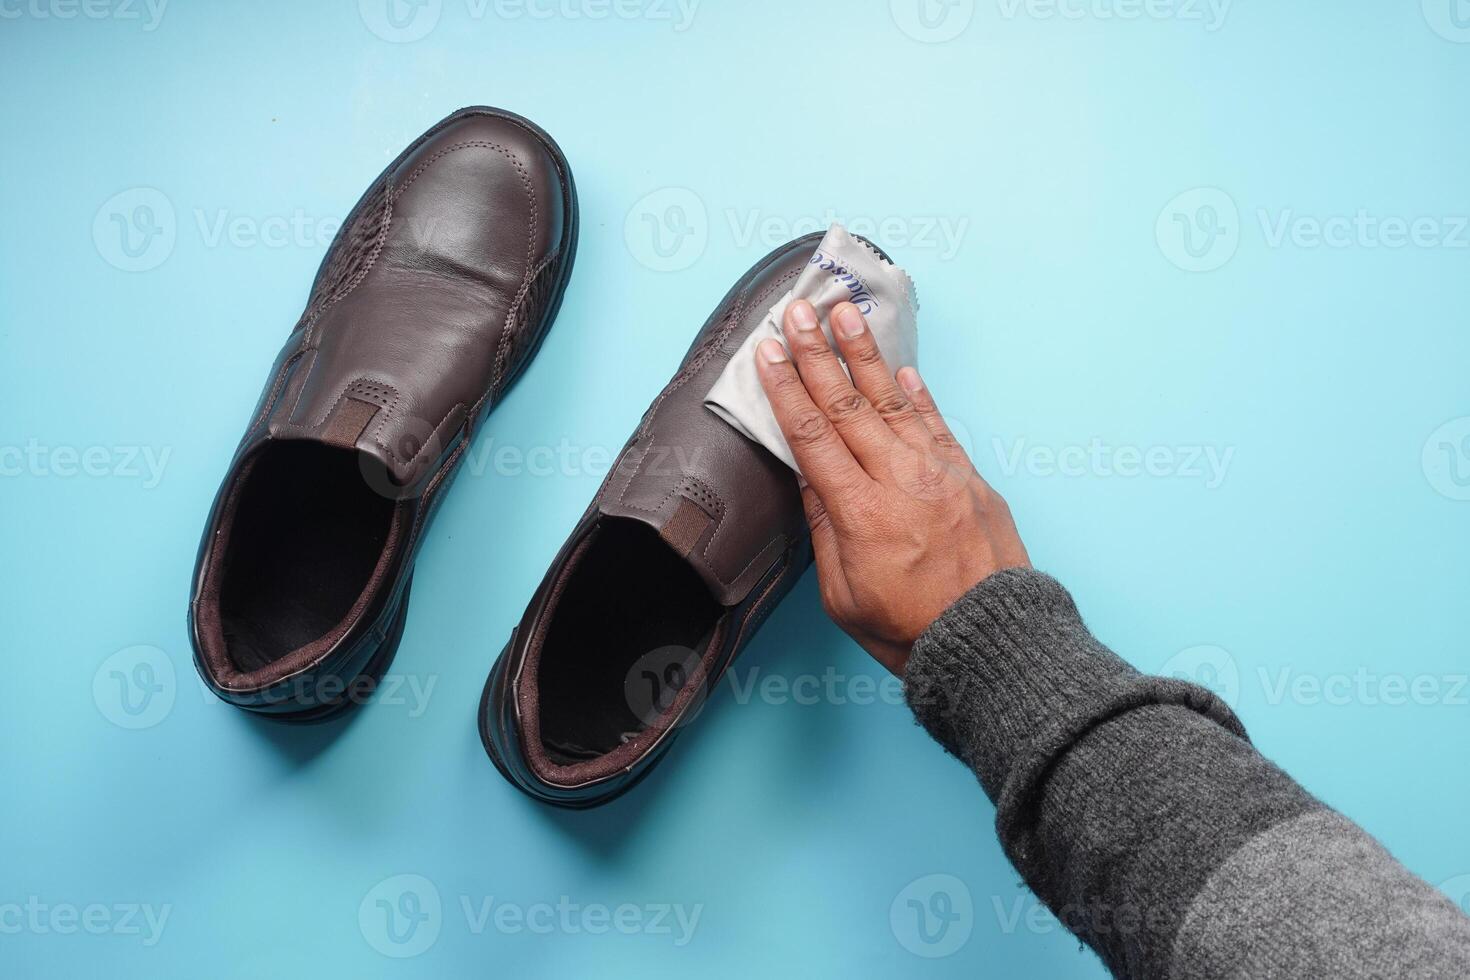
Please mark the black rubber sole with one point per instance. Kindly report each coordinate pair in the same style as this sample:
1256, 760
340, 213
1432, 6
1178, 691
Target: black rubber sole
591, 801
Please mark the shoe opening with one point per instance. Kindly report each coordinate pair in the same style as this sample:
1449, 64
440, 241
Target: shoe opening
304, 539
632, 623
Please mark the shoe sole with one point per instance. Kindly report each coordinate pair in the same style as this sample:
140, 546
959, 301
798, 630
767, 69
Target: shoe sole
487, 739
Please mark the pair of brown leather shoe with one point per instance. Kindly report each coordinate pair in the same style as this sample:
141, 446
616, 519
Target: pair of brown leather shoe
429, 304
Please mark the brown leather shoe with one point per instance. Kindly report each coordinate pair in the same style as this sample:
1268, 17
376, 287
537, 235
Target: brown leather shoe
432, 299
694, 537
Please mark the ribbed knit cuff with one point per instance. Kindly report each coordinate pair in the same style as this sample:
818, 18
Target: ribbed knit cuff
1009, 676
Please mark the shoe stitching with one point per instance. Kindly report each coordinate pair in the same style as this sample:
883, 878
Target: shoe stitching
757, 615
370, 389
742, 306
738, 314
683, 376
275, 392
506, 334
392, 195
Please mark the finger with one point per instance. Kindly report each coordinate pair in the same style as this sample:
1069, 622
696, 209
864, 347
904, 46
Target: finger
928, 412
824, 535
822, 456
870, 375
864, 431
831, 576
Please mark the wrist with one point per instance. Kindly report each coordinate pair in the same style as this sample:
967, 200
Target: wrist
1007, 660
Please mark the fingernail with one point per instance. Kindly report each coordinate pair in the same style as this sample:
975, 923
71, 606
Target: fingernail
771, 351
803, 316
850, 322
909, 378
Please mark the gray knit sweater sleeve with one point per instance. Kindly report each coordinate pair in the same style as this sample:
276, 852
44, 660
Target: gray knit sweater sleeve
1138, 811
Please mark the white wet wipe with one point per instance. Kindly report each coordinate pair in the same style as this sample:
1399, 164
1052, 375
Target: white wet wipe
843, 269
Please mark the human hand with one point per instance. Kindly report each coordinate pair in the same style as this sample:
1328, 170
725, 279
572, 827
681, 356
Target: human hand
902, 524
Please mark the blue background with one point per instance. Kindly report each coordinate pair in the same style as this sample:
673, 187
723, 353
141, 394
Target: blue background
1055, 147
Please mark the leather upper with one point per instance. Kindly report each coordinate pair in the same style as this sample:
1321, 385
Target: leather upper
420, 311
723, 501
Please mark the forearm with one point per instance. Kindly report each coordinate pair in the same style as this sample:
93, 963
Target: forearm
1137, 810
